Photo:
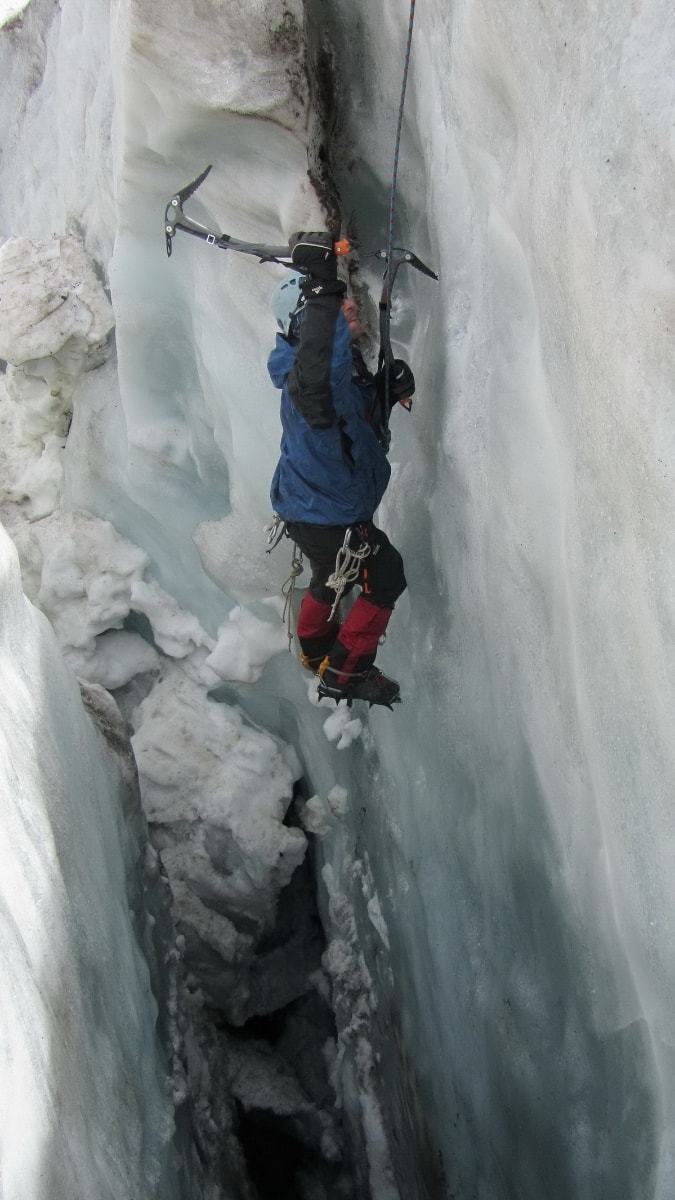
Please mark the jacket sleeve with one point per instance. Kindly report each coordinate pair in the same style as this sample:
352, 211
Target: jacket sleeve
321, 362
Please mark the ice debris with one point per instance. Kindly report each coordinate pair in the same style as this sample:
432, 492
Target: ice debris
245, 643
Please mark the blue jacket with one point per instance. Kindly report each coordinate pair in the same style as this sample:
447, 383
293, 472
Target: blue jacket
332, 469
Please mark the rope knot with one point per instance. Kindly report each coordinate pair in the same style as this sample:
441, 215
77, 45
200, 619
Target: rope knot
348, 564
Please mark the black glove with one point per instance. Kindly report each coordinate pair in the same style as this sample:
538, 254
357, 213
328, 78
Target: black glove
401, 381
313, 254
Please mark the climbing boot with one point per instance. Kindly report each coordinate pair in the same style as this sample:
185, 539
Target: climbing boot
371, 685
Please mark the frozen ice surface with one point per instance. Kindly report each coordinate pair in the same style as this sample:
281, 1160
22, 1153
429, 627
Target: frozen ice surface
519, 815
84, 1110
516, 812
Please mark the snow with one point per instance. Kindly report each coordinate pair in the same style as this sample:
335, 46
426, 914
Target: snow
54, 321
9, 11
341, 726
316, 816
216, 791
244, 644
497, 876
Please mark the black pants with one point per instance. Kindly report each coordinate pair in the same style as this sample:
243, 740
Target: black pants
381, 576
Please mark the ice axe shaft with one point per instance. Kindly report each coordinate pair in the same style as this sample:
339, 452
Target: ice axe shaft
398, 258
175, 219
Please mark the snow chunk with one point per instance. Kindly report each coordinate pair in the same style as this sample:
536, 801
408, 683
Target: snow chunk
90, 580
216, 791
10, 10
177, 633
87, 574
201, 761
261, 1079
245, 643
342, 727
115, 659
33, 478
316, 816
54, 322
48, 295
338, 799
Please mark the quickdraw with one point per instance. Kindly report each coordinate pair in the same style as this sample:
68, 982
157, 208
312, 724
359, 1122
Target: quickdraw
275, 531
348, 565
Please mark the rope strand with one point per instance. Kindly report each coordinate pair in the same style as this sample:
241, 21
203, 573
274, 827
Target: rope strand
347, 567
288, 592
392, 200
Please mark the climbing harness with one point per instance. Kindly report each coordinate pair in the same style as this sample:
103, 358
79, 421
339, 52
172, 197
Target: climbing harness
348, 564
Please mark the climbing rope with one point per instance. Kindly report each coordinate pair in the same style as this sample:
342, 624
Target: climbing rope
275, 531
288, 592
392, 207
347, 567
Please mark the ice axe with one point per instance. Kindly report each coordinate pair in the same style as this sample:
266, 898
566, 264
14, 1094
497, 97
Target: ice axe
396, 259
175, 219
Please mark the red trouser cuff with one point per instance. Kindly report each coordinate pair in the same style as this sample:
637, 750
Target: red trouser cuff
314, 618
361, 632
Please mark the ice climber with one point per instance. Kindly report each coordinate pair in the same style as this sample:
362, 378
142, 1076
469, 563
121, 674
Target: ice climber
333, 472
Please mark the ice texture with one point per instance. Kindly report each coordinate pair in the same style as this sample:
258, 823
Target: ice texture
84, 1109
498, 888
216, 791
55, 319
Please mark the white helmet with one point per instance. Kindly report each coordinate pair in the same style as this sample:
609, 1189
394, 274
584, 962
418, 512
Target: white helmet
287, 301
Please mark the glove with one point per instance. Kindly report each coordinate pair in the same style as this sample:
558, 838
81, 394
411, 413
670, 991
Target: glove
313, 254
401, 382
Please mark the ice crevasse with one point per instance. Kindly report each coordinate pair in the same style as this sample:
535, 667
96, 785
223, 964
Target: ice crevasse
495, 864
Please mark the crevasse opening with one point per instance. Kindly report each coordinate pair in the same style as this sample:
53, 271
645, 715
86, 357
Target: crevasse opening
492, 860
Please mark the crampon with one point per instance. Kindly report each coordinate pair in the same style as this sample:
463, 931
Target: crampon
371, 686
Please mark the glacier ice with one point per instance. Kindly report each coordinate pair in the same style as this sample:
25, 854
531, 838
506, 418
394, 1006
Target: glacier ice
497, 887
84, 1106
